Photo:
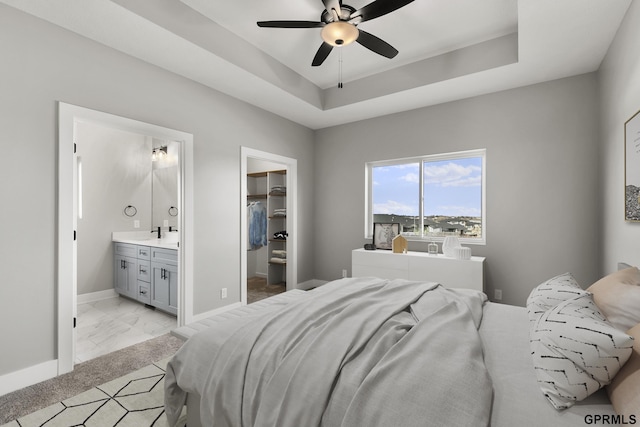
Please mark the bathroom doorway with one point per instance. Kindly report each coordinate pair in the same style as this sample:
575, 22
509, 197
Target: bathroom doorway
268, 185
77, 123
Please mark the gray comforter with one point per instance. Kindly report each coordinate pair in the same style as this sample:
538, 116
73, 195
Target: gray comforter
356, 352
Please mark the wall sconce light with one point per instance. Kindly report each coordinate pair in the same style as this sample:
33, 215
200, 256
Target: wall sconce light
159, 153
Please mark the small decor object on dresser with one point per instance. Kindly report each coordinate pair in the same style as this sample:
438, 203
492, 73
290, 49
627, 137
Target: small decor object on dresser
632, 168
399, 245
462, 252
449, 246
383, 234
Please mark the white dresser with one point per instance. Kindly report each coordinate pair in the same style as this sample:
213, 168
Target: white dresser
450, 272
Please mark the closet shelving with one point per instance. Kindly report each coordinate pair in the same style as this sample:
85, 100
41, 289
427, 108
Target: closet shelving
270, 188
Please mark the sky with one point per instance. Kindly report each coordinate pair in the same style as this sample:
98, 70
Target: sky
451, 187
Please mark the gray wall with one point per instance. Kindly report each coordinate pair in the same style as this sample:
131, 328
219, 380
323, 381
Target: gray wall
542, 203
116, 172
42, 64
619, 83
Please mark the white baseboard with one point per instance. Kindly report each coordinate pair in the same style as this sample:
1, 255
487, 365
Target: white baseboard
310, 284
28, 376
205, 315
97, 296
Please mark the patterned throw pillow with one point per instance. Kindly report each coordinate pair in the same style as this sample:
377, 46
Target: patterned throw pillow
551, 293
576, 351
624, 390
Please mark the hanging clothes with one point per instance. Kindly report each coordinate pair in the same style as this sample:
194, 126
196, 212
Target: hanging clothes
257, 216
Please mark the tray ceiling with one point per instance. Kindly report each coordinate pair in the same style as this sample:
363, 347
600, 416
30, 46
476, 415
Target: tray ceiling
449, 49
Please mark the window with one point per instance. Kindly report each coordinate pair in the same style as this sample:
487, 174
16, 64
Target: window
431, 197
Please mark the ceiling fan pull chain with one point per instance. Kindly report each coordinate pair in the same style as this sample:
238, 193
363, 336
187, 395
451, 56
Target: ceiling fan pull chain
339, 68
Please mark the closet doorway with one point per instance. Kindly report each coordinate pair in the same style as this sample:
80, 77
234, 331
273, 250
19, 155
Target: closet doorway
268, 225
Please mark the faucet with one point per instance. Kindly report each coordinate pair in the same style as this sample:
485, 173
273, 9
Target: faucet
159, 232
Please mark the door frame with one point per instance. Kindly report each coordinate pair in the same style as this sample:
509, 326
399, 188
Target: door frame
291, 165
68, 116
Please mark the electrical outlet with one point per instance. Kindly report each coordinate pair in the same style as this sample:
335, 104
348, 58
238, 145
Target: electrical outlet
165, 223
497, 295
344, 272
136, 223
223, 293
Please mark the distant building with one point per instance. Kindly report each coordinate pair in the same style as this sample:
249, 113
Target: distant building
435, 225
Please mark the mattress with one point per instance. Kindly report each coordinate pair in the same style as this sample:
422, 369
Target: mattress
517, 398
185, 332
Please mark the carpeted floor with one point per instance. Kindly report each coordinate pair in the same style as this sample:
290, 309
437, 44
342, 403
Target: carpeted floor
86, 376
258, 289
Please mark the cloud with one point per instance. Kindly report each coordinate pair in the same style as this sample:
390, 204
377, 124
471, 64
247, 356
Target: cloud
411, 177
473, 181
453, 175
392, 207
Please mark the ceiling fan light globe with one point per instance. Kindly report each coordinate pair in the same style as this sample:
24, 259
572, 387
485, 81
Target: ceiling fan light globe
339, 33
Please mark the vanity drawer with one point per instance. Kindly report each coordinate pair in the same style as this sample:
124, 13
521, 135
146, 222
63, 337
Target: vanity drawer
144, 295
164, 255
144, 270
126, 249
144, 252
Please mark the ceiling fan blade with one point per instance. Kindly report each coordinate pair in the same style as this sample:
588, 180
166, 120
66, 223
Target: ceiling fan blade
376, 44
378, 8
290, 24
332, 4
321, 54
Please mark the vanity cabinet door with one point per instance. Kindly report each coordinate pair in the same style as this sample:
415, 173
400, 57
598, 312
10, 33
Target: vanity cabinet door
172, 271
126, 275
164, 287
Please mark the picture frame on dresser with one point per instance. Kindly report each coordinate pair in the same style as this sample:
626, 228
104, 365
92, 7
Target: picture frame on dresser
384, 233
632, 168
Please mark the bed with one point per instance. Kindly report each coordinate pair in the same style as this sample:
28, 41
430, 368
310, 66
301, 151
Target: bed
373, 352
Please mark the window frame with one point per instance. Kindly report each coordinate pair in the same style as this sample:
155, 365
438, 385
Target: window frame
368, 223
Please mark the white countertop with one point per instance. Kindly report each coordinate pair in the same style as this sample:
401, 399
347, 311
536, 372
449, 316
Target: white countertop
169, 239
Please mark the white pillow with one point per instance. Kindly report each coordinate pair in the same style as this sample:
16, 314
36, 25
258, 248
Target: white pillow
576, 351
551, 293
618, 297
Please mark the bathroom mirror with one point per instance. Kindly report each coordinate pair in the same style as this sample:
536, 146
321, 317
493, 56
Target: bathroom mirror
164, 186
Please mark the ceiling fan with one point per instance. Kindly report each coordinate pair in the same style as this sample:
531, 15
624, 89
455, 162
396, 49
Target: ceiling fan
339, 26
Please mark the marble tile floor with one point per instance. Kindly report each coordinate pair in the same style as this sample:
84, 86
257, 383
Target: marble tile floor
111, 324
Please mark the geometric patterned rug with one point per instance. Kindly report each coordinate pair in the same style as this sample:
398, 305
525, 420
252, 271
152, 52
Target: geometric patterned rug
133, 400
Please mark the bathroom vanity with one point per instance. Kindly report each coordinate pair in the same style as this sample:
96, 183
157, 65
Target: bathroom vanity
147, 271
